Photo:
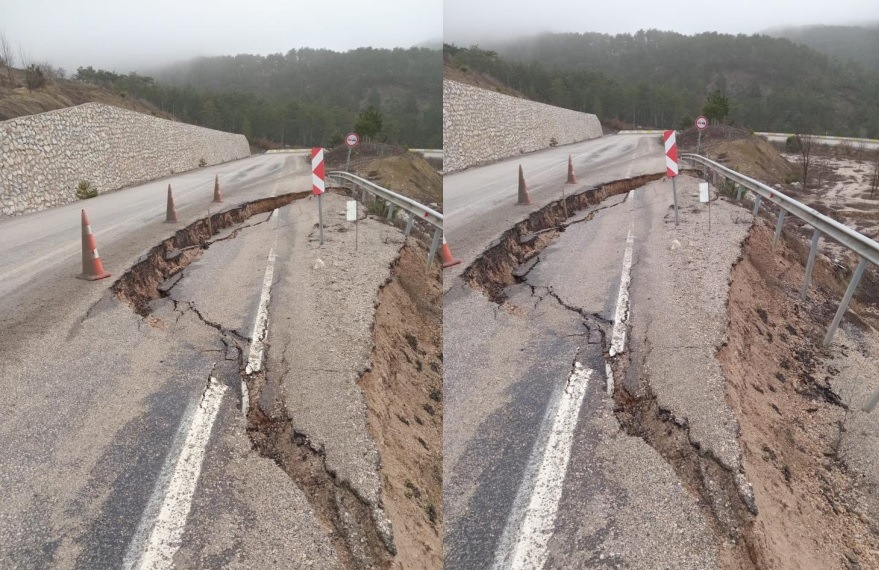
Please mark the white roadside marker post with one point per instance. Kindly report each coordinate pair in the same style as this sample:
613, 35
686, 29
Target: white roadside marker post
318, 185
671, 165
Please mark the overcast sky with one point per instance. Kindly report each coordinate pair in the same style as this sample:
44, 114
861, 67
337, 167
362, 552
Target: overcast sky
126, 35
472, 21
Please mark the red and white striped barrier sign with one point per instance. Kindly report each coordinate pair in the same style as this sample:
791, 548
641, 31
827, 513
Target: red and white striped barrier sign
318, 184
671, 153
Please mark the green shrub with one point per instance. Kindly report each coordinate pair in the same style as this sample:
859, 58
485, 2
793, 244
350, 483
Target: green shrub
202, 162
85, 190
793, 144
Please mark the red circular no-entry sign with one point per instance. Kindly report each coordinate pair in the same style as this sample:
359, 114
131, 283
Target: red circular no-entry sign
701, 123
352, 139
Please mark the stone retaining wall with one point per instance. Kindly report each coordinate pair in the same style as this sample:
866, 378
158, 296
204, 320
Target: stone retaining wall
481, 126
43, 157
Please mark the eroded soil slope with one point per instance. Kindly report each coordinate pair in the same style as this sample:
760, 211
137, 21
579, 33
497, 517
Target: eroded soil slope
779, 387
403, 392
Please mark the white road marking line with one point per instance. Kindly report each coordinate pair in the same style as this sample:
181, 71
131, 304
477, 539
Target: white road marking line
608, 372
160, 531
621, 312
530, 548
260, 325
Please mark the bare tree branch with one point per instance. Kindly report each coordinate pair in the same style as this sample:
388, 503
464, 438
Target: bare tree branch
806, 142
7, 54
874, 183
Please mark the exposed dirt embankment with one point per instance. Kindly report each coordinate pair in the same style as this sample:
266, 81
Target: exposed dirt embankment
494, 269
479, 80
16, 100
779, 388
408, 174
403, 393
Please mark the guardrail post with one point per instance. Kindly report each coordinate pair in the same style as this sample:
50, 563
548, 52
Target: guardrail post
813, 250
390, 210
437, 233
409, 224
843, 306
756, 204
738, 188
778, 226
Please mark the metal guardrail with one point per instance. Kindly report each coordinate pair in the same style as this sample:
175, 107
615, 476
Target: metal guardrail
819, 138
417, 211
866, 248
641, 132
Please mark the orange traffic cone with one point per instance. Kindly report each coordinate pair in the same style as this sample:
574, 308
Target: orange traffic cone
92, 269
448, 260
571, 178
524, 199
217, 196
171, 213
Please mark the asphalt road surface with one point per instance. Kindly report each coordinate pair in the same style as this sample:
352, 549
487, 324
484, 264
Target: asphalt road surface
480, 203
108, 417
538, 471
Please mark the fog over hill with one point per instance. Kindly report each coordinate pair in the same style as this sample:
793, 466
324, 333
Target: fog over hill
855, 43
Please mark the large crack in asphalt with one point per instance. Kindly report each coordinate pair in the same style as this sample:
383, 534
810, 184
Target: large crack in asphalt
724, 495
493, 270
361, 536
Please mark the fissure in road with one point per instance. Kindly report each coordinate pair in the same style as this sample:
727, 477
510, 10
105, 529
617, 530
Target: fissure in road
361, 538
721, 493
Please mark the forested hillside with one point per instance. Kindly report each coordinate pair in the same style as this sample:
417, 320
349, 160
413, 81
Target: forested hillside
858, 44
320, 92
660, 79
305, 97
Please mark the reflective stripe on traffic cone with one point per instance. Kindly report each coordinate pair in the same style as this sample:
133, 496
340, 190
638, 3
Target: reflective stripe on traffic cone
91, 261
448, 260
217, 196
524, 199
171, 213
571, 178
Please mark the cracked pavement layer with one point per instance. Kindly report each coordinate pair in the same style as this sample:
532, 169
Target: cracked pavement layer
248, 513
480, 203
622, 503
320, 333
224, 284
86, 430
679, 316
92, 394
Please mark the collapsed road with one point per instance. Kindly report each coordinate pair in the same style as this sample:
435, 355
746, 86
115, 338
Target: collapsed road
209, 406
602, 409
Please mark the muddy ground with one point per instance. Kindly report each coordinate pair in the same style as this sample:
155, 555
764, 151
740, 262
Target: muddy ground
779, 387
403, 392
